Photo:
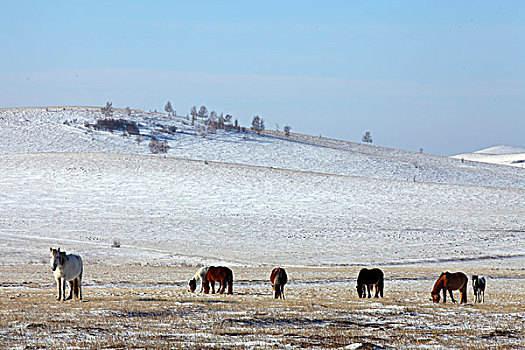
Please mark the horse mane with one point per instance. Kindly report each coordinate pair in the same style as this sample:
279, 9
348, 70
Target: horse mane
439, 283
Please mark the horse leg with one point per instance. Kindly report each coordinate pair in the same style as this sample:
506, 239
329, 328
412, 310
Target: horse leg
222, 285
368, 290
282, 292
377, 290
444, 295
212, 287
63, 289
59, 283
79, 286
451, 295
71, 289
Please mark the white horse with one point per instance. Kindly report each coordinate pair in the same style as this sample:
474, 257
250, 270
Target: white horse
200, 275
67, 268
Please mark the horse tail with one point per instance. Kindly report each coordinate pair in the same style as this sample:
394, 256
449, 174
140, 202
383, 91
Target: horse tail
230, 283
78, 280
463, 290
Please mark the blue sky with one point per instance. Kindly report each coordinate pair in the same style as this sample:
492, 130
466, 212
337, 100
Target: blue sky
445, 76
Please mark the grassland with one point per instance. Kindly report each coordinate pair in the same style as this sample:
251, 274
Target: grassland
148, 307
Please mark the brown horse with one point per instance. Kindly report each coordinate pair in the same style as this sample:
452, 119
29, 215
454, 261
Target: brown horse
278, 278
220, 274
368, 279
450, 281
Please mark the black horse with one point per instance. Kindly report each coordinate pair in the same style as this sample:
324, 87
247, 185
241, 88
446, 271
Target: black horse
370, 278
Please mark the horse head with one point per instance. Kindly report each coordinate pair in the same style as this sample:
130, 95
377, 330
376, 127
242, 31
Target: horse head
360, 289
53, 257
57, 258
193, 285
435, 297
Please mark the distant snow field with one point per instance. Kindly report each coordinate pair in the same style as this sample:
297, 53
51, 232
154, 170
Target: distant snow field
237, 198
502, 155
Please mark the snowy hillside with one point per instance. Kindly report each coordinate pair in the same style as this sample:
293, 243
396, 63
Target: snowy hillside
244, 199
502, 155
56, 129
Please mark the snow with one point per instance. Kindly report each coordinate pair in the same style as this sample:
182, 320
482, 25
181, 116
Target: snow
256, 200
502, 150
41, 130
502, 155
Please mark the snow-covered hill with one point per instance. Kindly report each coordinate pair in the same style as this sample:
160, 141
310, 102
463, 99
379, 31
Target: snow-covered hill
241, 199
57, 129
502, 155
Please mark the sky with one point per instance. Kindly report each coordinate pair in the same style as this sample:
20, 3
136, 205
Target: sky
447, 77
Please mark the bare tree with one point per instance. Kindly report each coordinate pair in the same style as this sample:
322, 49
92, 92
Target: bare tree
156, 146
213, 118
257, 124
287, 129
220, 121
193, 113
107, 110
367, 137
168, 108
202, 113
128, 111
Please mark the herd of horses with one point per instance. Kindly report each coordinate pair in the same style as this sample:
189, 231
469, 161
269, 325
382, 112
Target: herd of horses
68, 268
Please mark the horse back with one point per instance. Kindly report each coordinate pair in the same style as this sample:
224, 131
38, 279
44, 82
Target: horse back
72, 269
201, 273
453, 281
219, 273
370, 276
278, 276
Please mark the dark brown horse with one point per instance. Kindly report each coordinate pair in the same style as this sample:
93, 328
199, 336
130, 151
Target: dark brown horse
278, 278
448, 282
220, 274
368, 279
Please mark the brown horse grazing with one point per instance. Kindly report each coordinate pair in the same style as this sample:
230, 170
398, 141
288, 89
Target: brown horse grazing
370, 278
450, 281
220, 274
278, 278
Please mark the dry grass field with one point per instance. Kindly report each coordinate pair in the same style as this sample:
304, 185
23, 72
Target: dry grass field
149, 307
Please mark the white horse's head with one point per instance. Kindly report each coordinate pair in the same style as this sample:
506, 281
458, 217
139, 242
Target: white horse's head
55, 258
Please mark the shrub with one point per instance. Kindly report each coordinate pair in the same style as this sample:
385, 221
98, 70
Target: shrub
156, 146
110, 124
